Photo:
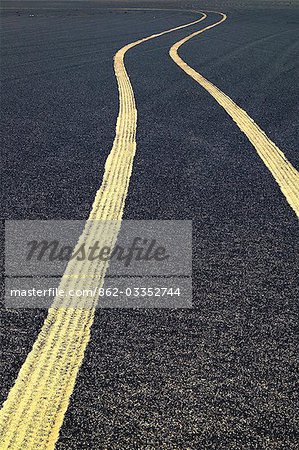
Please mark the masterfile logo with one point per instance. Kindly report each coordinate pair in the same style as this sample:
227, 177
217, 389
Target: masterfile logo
141, 260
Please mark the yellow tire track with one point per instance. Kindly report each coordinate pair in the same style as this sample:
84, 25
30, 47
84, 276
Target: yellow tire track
34, 410
286, 176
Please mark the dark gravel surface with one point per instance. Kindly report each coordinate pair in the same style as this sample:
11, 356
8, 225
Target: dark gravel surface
223, 374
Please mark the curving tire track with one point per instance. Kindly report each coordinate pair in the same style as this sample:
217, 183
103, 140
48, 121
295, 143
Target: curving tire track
34, 410
286, 176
